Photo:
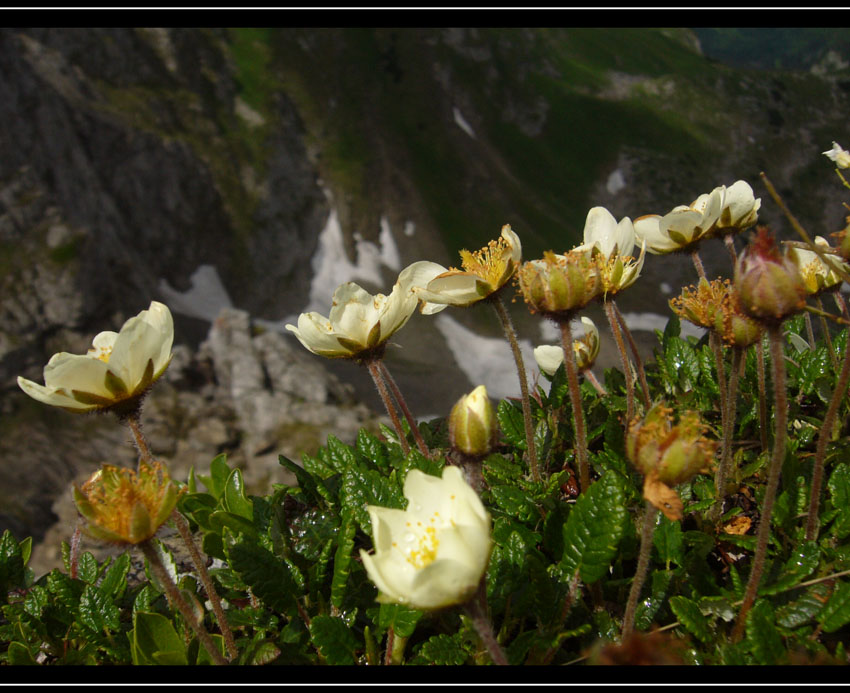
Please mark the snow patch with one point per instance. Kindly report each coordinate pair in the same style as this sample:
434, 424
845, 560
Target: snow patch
204, 300
462, 124
485, 361
616, 182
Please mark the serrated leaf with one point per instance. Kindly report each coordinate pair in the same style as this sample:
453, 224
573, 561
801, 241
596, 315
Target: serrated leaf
266, 575
762, 637
235, 500
373, 450
97, 612
342, 557
799, 565
87, 568
334, 640
115, 581
802, 610
11, 564
690, 616
144, 598
512, 423
19, 655
400, 618
497, 468
339, 455
364, 487
154, 640
514, 501
836, 613
442, 650
35, 600
648, 607
594, 528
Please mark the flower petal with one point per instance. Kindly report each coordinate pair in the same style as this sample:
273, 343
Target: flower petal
71, 372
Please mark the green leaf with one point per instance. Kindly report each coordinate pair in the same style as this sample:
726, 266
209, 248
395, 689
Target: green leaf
648, 607
498, 468
221, 519
342, 557
97, 612
802, 610
235, 500
442, 650
594, 528
512, 424
762, 637
339, 455
515, 502
400, 618
264, 573
219, 471
11, 564
87, 568
115, 581
168, 561
334, 640
668, 540
153, 640
836, 613
690, 616
364, 487
307, 481
799, 565
373, 450
36, 600
19, 655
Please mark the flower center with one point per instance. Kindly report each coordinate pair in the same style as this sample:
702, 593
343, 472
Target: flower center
101, 353
491, 263
423, 544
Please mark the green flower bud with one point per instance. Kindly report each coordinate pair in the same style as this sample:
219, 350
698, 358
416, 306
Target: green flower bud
769, 285
473, 427
559, 285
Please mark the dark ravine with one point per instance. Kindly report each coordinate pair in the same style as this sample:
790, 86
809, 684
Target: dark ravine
133, 156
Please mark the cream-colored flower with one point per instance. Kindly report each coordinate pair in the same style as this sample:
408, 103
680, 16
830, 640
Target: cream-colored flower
483, 273
610, 245
740, 209
817, 275
586, 349
840, 156
117, 370
433, 554
683, 226
359, 323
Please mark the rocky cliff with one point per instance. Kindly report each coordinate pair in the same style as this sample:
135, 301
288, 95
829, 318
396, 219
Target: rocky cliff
132, 158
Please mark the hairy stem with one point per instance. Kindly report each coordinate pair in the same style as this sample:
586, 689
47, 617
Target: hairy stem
642, 568
476, 609
624, 358
698, 264
824, 437
760, 370
405, 410
575, 400
596, 384
510, 333
638, 361
134, 423
729, 242
825, 328
728, 434
375, 372
212, 594
176, 600
777, 358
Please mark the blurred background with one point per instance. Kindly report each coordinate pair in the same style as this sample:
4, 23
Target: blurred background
240, 175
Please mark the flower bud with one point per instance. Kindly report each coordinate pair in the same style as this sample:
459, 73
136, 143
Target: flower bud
126, 507
666, 454
559, 285
473, 427
839, 155
768, 283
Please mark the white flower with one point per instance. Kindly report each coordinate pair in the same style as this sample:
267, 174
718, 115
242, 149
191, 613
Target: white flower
484, 272
602, 231
740, 207
840, 156
817, 275
683, 226
586, 349
433, 554
359, 323
117, 370
611, 244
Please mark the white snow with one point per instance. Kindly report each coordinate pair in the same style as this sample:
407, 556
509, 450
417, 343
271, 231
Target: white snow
462, 124
486, 361
204, 300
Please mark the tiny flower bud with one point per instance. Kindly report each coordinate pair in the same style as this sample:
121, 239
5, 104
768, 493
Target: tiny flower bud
768, 283
472, 424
